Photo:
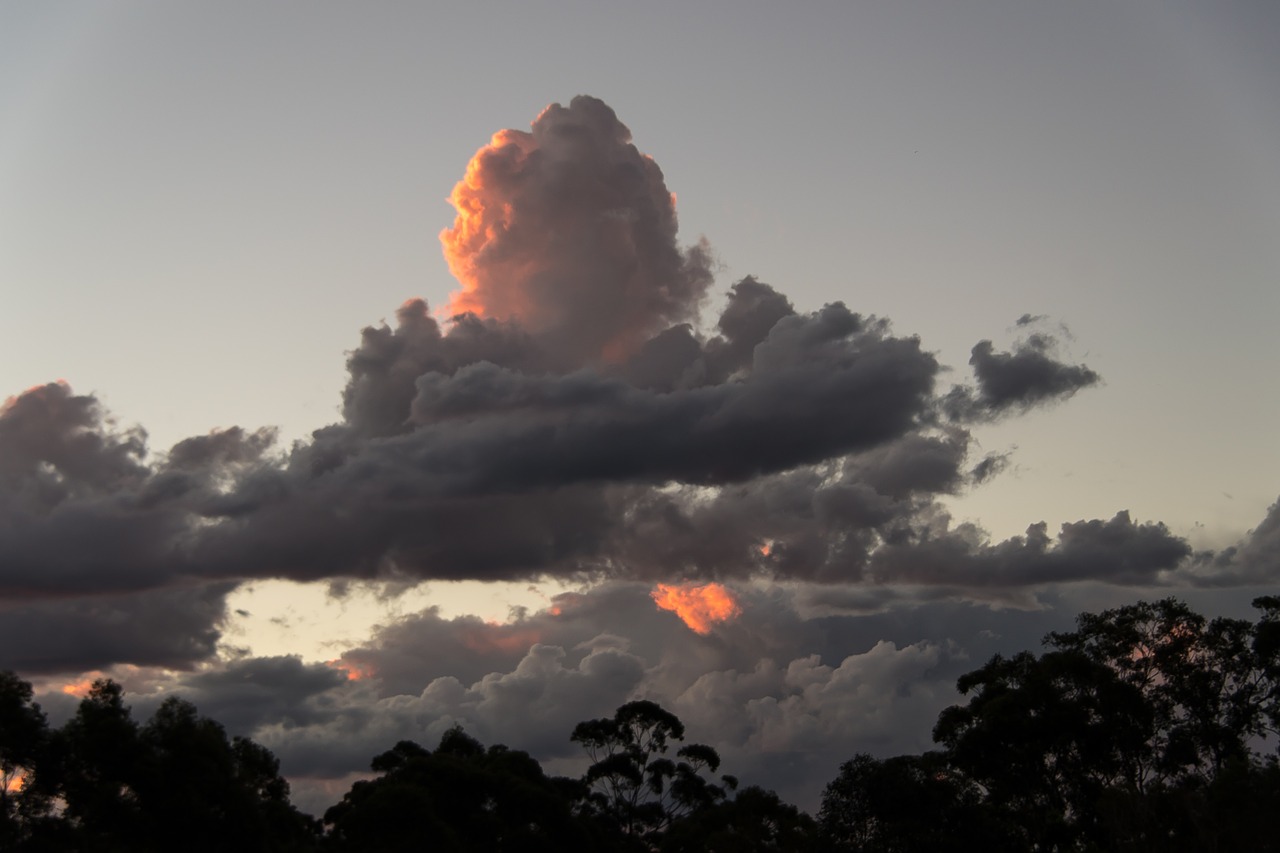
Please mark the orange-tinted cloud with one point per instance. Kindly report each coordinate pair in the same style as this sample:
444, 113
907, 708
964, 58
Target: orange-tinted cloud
354, 671
570, 231
698, 605
81, 687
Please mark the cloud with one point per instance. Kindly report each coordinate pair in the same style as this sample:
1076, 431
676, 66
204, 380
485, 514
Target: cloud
571, 231
1253, 560
174, 628
245, 694
571, 401
1015, 381
384, 368
55, 445
532, 706
82, 511
783, 697
699, 606
1117, 551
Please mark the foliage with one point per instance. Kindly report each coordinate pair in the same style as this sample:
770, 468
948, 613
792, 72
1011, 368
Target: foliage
1136, 731
461, 796
909, 802
753, 820
104, 783
634, 787
24, 740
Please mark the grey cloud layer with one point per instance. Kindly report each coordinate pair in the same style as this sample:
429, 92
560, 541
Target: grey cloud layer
818, 441
783, 697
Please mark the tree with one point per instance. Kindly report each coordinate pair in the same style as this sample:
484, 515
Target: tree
99, 771
633, 785
754, 820
25, 798
176, 782
1212, 686
1126, 727
461, 797
909, 802
1044, 737
201, 791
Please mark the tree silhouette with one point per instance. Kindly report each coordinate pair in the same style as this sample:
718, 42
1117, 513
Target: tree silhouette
25, 781
634, 786
909, 802
1129, 728
1211, 686
753, 820
175, 783
100, 772
461, 797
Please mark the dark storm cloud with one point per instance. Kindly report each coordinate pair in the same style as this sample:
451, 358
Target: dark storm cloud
246, 694
821, 386
568, 420
70, 485
69, 488
555, 460
1027, 376
173, 628
1117, 551
384, 368
55, 446
82, 512
816, 522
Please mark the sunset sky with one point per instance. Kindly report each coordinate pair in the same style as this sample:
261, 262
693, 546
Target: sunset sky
814, 355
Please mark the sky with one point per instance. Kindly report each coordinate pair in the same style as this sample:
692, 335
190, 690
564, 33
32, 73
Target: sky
375, 369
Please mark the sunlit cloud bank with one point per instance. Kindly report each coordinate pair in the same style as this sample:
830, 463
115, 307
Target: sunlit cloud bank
773, 477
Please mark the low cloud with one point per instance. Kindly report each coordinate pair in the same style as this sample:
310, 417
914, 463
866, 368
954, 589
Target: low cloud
173, 628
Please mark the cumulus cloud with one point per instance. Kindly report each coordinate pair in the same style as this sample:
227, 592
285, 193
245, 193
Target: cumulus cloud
1029, 375
1253, 560
1117, 551
570, 230
174, 628
784, 698
570, 402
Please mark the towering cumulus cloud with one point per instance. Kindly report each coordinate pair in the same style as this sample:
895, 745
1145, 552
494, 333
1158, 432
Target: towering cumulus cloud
567, 416
571, 231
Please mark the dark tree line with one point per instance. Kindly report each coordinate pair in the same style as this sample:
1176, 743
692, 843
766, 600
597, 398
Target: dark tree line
1143, 729
103, 782
1147, 728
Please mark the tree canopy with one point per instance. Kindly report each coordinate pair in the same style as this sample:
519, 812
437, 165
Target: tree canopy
1145, 728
